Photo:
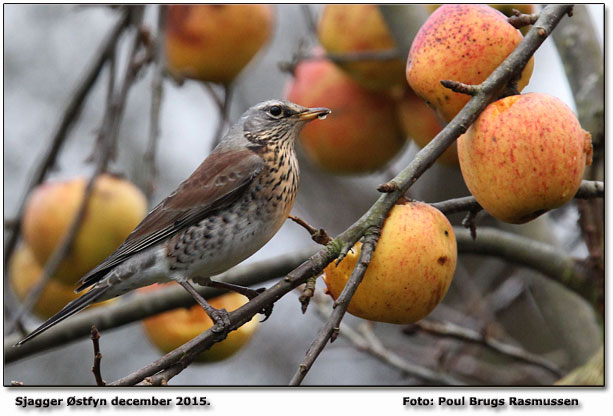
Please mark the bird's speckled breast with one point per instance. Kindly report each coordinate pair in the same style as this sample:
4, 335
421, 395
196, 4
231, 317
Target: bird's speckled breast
228, 237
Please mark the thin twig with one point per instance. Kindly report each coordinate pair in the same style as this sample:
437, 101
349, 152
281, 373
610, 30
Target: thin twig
307, 293
309, 18
449, 329
69, 116
331, 328
145, 305
587, 190
519, 20
95, 337
242, 315
341, 58
157, 87
460, 87
320, 236
107, 141
224, 111
366, 341
536, 255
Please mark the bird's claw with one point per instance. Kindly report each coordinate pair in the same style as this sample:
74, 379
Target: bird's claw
221, 320
266, 311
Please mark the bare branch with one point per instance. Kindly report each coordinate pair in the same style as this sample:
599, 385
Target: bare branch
519, 20
145, 305
95, 337
331, 328
107, 142
366, 341
320, 236
449, 329
69, 116
460, 87
539, 256
157, 90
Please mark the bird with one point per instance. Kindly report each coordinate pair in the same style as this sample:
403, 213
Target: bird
226, 210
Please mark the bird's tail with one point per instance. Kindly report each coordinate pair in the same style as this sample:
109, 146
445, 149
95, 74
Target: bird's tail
73, 307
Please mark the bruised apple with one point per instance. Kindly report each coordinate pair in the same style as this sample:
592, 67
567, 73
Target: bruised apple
363, 132
410, 271
114, 209
24, 275
169, 330
214, 42
421, 124
523, 156
350, 28
460, 42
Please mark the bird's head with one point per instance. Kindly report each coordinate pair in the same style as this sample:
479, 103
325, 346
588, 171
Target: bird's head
277, 120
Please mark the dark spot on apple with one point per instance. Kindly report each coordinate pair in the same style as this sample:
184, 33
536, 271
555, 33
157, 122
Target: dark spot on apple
446, 233
442, 260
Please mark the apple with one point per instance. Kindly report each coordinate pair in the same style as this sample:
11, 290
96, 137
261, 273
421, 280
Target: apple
350, 28
363, 132
410, 271
24, 275
460, 42
214, 42
115, 208
169, 330
523, 156
421, 124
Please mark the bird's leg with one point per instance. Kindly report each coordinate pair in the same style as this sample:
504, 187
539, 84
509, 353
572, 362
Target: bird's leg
245, 291
220, 317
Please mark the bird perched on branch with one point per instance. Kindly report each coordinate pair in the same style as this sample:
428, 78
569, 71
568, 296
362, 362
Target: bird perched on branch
234, 202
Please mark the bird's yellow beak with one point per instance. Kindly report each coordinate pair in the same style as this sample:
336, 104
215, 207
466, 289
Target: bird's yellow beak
312, 113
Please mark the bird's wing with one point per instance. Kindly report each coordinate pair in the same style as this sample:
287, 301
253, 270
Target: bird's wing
219, 181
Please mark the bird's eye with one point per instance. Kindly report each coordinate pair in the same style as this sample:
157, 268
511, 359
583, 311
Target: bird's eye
275, 110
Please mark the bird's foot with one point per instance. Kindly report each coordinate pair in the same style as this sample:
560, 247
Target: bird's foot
245, 291
221, 319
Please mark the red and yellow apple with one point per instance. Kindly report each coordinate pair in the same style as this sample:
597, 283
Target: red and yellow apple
421, 124
169, 330
214, 42
24, 275
350, 28
523, 156
460, 42
115, 208
363, 132
410, 271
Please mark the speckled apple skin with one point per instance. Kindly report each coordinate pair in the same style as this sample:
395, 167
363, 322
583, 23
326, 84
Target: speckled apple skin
215, 42
363, 132
346, 28
462, 43
523, 156
411, 268
420, 123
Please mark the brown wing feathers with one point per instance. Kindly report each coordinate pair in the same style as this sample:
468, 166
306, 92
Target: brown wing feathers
219, 181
